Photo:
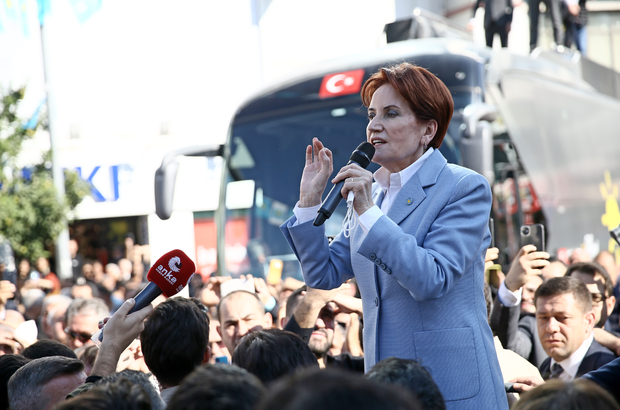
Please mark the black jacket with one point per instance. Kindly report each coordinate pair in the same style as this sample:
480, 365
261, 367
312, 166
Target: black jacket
608, 377
595, 357
517, 333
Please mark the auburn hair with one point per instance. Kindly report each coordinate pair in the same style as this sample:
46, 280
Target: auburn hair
427, 95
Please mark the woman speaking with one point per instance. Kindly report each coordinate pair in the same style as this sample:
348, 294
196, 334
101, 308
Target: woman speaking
417, 247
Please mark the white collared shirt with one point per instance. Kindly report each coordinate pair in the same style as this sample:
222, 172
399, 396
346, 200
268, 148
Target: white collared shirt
507, 297
572, 363
391, 185
166, 394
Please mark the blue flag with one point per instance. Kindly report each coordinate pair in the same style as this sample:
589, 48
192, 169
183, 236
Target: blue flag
44, 10
84, 9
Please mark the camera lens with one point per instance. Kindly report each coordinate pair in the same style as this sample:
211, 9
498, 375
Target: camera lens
525, 230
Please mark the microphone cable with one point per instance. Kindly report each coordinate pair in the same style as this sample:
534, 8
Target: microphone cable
350, 220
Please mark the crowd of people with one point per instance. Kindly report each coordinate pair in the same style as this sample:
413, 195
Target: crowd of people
554, 325
397, 311
568, 20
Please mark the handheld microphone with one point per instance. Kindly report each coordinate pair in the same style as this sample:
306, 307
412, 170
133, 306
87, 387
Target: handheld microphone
361, 156
168, 276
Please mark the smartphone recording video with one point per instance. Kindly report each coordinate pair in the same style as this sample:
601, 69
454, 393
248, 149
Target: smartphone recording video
533, 235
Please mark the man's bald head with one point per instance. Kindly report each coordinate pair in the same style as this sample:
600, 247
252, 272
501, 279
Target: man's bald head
239, 297
240, 312
608, 261
555, 269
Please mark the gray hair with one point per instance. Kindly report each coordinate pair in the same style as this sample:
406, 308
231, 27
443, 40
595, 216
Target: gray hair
32, 298
56, 299
142, 379
60, 303
26, 385
81, 306
113, 266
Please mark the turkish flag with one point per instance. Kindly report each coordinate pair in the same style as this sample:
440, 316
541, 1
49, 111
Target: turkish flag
347, 82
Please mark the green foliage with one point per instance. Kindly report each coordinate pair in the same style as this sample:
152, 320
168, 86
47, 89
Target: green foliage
31, 214
12, 133
75, 189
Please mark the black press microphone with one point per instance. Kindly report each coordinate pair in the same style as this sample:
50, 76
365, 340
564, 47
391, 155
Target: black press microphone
361, 156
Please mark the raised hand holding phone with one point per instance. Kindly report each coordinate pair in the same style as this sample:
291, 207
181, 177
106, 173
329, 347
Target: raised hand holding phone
527, 263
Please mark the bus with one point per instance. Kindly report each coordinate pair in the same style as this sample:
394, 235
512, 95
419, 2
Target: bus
541, 128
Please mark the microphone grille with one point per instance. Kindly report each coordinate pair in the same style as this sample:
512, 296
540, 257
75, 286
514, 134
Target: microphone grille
367, 148
172, 272
363, 154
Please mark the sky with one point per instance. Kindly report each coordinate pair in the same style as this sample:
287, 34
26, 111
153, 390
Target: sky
130, 80
125, 69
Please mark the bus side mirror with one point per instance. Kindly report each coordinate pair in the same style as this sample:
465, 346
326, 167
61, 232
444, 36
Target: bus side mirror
166, 174
165, 179
476, 142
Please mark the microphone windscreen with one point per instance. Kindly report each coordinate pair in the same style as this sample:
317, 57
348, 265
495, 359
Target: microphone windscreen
172, 272
367, 148
363, 154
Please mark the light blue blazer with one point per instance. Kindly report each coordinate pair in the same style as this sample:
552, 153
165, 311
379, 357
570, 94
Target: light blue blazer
420, 271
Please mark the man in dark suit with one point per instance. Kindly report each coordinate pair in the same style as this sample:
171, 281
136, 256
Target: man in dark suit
556, 21
497, 19
608, 377
565, 321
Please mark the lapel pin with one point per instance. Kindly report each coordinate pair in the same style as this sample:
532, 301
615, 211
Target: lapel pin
409, 201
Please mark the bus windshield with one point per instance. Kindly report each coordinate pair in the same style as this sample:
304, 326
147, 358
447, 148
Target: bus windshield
267, 159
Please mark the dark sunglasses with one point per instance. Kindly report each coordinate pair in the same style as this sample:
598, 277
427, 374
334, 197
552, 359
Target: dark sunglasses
82, 337
598, 297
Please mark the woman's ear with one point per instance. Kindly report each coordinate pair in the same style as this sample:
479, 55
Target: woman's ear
429, 132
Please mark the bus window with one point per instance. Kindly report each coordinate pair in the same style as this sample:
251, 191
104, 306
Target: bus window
276, 145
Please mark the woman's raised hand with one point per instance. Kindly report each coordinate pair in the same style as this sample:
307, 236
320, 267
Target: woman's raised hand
319, 166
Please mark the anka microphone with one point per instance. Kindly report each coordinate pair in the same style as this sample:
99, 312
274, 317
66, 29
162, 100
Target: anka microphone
361, 156
168, 276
